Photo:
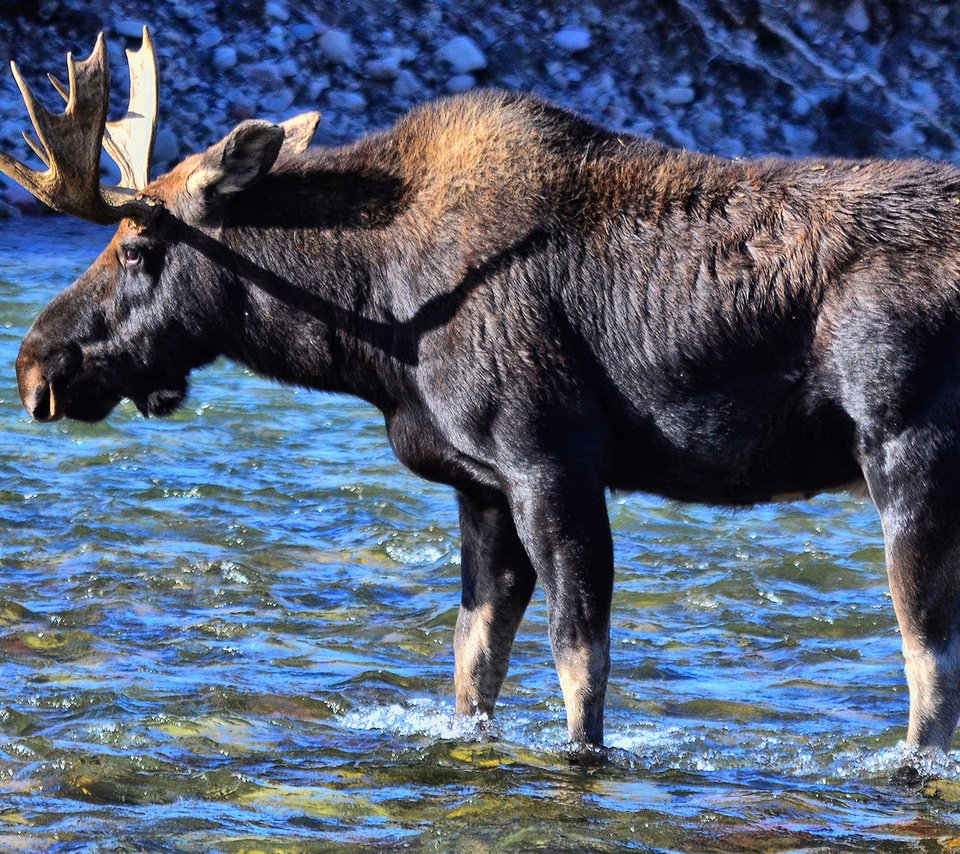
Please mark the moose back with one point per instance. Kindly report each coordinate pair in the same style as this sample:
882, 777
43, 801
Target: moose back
543, 310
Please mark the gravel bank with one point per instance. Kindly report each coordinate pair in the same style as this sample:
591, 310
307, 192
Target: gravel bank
733, 77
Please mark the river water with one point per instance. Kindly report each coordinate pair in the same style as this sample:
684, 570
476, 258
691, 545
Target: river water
231, 630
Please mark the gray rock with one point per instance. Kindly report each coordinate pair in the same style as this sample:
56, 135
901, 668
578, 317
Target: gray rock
247, 52
210, 38
316, 87
800, 140
302, 32
386, 66
461, 83
677, 96
264, 74
423, 31
288, 68
407, 85
592, 14
616, 116
166, 146
224, 57
857, 17
708, 124
640, 126
925, 94
277, 11
801, 105
677, 135
731, 147
277, 101
241, 107
572, 39
754, 126
907, 137
348, 102
462, 55
337, 47
277, 38
129, 28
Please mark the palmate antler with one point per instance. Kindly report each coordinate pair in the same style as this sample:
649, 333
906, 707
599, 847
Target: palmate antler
69, 142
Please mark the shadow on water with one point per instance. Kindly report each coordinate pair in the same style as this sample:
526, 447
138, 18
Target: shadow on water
231, 630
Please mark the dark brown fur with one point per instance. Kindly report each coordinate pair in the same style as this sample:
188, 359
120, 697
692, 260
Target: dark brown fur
543, 310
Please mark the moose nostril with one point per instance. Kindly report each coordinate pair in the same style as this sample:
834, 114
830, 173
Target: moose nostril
40, 406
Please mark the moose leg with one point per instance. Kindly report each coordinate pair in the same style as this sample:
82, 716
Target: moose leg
562, 520
923, 576
498, 581
915, 481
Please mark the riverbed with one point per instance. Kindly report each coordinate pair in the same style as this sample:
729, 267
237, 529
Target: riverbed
231, 630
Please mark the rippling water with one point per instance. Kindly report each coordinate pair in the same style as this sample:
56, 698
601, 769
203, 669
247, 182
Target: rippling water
232, 630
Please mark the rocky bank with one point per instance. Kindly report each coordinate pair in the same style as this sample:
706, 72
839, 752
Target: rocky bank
734, 77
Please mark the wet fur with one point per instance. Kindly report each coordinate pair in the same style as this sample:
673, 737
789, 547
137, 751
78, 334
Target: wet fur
544, 309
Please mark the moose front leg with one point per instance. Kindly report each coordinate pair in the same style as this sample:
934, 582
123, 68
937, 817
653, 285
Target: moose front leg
498, 581
562, 520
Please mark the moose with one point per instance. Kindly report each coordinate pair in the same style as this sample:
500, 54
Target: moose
543, 310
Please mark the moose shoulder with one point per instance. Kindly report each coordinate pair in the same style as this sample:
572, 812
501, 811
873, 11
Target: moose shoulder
543, 310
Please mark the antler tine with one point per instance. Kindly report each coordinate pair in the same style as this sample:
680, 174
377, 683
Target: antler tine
69, 144
41, 117
35, 146
129, 141
61, 89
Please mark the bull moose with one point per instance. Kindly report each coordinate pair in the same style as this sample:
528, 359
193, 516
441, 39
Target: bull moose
543, 310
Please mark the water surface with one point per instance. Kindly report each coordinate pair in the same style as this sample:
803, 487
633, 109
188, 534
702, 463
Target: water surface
231, 630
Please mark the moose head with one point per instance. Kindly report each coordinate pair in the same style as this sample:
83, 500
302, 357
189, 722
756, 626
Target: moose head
136, 323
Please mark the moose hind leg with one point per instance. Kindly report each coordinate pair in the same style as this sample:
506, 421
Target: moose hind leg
915, 482
498, 581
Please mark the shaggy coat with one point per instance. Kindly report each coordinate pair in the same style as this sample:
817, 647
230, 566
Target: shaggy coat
544, 310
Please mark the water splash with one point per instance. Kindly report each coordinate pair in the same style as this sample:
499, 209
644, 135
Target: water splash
426, 717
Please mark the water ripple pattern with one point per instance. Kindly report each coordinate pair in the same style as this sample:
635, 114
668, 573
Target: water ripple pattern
231, 630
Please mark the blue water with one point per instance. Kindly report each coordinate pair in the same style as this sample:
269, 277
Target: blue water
231, 630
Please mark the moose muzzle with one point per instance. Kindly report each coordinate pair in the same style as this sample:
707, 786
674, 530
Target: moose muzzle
43, 378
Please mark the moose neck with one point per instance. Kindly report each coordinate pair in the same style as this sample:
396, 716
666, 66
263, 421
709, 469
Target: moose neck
318, 270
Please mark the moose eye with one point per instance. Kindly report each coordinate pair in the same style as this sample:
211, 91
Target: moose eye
131, 256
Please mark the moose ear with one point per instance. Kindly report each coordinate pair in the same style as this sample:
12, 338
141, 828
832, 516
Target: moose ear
239, 160
298, 131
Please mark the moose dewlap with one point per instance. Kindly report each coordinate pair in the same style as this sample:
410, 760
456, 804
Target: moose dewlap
542, 310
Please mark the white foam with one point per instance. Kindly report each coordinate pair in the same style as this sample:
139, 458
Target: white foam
657, 746
864, 763
421, 555
431, 718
